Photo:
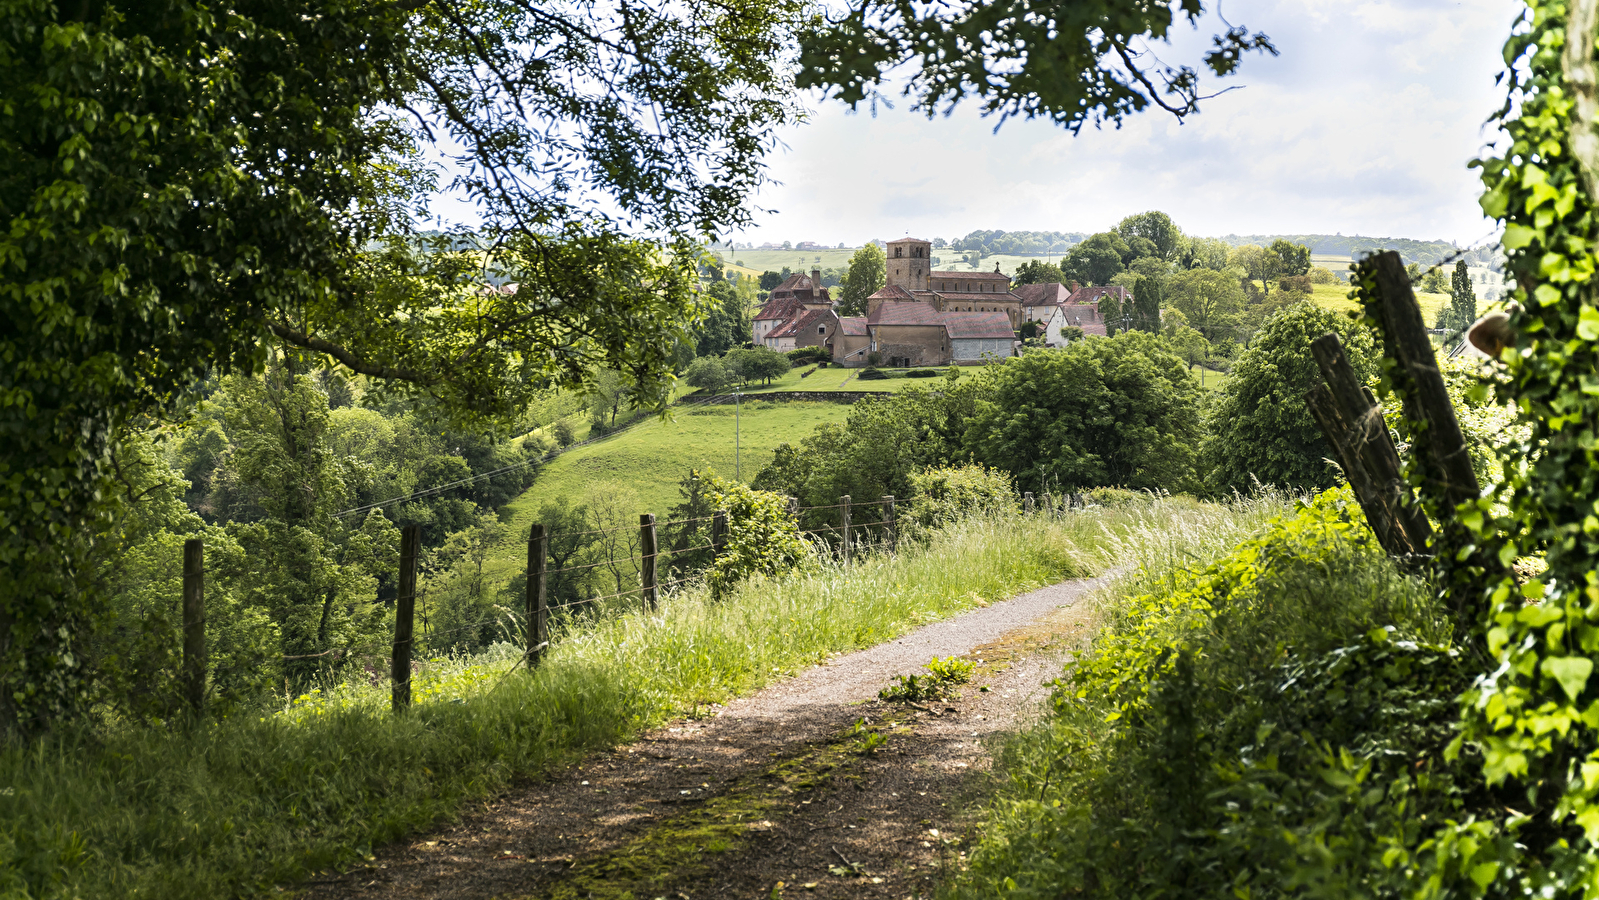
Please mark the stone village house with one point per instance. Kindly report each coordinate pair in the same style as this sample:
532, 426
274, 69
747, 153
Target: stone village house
923, 317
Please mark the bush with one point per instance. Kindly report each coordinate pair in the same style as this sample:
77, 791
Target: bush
1295, 284
1319, 275
941, 496
1109, 496
1275, 725
922, 373
803, 355
1261, 431
762, 539
563, 432
871, 373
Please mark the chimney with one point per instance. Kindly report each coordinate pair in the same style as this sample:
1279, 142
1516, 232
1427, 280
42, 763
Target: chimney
816, 282
1074, 287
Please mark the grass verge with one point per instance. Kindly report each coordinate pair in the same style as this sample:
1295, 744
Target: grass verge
237, 806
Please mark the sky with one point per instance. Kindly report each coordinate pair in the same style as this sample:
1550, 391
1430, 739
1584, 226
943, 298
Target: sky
1363, 125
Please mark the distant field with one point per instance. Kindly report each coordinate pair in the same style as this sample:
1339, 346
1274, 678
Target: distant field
651, 458
1336, 297
796, 260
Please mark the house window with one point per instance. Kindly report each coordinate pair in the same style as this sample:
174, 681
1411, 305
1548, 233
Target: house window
821, 329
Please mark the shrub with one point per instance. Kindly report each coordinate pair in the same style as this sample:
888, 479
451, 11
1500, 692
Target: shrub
1261, 431
1295, 284
922, 373
871, 373
1276, 724
941, 496
1319, 275
1109, 496
563, 432
762, 539
803, 355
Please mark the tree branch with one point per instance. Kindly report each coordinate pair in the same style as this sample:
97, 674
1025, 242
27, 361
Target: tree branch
350, 361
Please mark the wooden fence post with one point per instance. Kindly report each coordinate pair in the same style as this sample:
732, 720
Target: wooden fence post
843, 516
891, 522
1406, 337
404, 611
718, 533
1390, 534
1365, 435
538, 600
194, 655
1027, 502
648, 549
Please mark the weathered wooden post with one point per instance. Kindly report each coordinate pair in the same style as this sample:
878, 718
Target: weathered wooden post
1366, 437
1027, 502
1406, 337
404, 612
718, 533
647, 549
843, 516
890, 522
1373, 500
538, 600
194, 655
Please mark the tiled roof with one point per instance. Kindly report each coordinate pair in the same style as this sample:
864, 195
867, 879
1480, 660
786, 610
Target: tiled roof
1042, 294
779, 308
799, 284
852, 326
908, 240
802, 324
905, 314
892, 292
975, 297
970, 276
1092, 294
980, 325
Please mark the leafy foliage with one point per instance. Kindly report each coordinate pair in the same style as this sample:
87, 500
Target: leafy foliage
943, 495
1120, 411
1261, 430
942, 678
1275, 724
1020, 58
762, 539
868, 268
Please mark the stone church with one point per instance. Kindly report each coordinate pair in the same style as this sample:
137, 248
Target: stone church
924, 317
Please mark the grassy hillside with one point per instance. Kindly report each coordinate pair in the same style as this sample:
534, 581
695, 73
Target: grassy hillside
1336, 297
796, 260
651, 458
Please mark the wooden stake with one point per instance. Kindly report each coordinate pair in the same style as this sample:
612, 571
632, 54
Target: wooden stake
538, 600
843, 513
891, 522
718, 533
1027, 502
1390, 534
646, 527
194, 654
404, 611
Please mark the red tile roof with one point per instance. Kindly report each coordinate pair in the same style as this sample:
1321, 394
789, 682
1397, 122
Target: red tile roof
892, 292
800, 285
1092, 294
780, 308
970, 276
908, 240
801, 324
976, 297
852, 326
1042, 294
912, 313
979, 325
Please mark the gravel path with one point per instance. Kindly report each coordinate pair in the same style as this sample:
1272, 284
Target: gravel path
889, 812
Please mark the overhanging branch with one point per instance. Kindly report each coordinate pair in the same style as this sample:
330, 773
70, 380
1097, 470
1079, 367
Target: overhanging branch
348, 359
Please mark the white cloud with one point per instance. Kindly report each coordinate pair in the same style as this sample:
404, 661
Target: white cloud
1363, 125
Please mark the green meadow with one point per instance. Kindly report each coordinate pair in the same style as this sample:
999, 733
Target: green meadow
651, 458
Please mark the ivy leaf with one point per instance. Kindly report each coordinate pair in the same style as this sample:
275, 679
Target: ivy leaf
1571, 671
1588, 324
1518, 236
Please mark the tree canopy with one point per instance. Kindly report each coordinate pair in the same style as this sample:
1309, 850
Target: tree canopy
868, 272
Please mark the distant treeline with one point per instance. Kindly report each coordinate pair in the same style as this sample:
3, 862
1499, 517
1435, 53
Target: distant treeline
1425, 252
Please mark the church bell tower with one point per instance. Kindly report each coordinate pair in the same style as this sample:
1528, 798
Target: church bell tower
908, 263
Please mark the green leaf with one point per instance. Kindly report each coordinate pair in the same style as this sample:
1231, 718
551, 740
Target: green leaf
1587, 321
1571, 671
1517, 236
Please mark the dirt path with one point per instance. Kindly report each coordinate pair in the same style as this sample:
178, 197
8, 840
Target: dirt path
812, 782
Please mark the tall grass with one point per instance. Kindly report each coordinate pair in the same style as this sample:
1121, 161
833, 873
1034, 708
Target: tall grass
232, 807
